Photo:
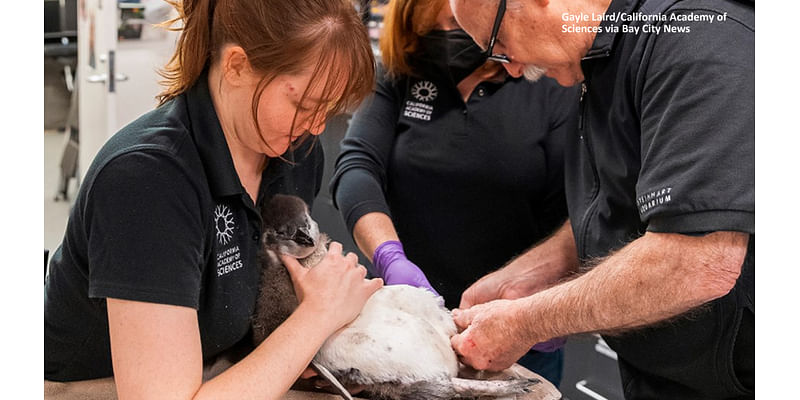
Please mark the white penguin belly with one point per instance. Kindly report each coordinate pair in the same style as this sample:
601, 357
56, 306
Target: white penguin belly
402, 335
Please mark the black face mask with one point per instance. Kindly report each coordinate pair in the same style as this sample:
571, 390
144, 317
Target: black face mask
452, 52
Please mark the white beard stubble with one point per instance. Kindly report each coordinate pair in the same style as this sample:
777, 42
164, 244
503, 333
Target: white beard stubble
533, 73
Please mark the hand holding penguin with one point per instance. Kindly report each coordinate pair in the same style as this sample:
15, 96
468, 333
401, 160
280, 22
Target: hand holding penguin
312, 285
397, 347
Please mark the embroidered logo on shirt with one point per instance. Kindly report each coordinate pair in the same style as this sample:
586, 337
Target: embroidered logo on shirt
229, 260
223, 219
653, 199
424, 91
417, 110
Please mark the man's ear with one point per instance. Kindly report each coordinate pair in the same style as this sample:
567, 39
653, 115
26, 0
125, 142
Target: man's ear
236, 68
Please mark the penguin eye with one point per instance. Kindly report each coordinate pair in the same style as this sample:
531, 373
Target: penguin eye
270, 234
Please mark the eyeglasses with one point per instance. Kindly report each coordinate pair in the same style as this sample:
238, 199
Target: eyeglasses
501, 58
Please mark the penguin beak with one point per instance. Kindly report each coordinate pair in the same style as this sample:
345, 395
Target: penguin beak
303, 237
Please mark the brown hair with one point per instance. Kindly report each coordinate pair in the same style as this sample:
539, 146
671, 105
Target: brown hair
404, 22
279, 37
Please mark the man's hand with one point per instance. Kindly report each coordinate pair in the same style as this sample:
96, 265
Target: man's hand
492, 337
653, 278
535, 270
501, 284
498, 285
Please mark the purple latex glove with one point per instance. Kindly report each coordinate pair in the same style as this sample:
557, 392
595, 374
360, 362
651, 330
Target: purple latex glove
393, 266
550, 345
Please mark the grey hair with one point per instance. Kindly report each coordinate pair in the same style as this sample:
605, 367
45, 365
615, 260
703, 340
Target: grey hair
533, 73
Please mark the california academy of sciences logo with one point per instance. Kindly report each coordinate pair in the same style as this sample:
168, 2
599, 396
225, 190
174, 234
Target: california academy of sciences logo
424, 91
223, 219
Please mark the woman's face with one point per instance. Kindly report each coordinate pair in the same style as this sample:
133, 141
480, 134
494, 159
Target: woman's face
277, 106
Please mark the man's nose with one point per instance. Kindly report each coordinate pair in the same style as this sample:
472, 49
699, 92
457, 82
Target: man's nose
514, 69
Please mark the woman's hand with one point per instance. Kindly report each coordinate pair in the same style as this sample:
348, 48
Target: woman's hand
396, 269
335, 289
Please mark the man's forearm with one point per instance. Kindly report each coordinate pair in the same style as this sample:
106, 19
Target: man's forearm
538, 268
550, 261
656, 277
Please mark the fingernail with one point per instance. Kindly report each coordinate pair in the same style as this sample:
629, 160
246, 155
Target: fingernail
456, 312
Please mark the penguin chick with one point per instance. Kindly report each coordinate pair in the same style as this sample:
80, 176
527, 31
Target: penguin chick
399, 345
287, 228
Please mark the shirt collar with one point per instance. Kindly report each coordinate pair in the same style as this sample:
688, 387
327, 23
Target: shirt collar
213, 147
604, 40
211, 143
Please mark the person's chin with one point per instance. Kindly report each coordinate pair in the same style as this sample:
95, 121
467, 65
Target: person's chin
533, 73
275, 150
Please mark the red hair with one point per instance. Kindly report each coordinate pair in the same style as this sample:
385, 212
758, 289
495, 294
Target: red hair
404, 22
279, 37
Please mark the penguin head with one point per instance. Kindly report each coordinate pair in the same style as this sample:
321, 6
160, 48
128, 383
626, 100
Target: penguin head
288, 227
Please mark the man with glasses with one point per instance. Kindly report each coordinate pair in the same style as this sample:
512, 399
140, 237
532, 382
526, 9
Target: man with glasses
660, 189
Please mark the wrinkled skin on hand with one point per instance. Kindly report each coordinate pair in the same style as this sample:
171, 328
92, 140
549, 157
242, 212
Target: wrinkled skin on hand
492, 337
491, 287
509, 283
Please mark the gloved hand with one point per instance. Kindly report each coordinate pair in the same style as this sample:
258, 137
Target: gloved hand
393, 266
550, 345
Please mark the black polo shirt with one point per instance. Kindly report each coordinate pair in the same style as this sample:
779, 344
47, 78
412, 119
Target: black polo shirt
162, 217
468, 185
666, 144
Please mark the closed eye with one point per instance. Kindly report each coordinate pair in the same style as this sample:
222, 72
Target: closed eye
302, 109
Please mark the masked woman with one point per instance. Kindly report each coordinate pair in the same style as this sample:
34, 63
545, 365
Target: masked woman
452, 168
158, 274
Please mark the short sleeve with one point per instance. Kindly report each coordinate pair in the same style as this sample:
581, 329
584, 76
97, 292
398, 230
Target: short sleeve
145, 231
698, 130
